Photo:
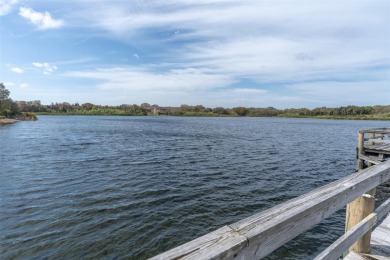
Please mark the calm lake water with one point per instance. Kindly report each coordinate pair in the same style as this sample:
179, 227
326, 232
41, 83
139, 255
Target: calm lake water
132, 187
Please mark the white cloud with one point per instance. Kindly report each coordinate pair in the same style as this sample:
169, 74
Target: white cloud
333, 93
17, 70
37, 64
262, 41
41, 20
6, 6
253, 91
47, 69
23, 86
9, 84
132, 78
198, 47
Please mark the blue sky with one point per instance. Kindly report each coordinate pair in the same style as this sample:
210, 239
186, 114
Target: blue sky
217, 53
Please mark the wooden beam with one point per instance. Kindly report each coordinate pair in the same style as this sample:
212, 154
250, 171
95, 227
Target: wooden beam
257, 236
335, 250
371, 159
360, 146
356, 212
219, 244
348, 239
376, 130
362, 206
383, 209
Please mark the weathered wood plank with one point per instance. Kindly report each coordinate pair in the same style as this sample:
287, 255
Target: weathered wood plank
348, 239
262, 233
383, 210
219, 244
375, 141
371, 159
380, 242
269, 230
354, 256
335, 250
356, 212
376, 130
360, 208
378, 146
360, 147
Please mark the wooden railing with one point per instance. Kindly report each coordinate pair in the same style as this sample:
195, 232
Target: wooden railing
372, 149
351, 236
257, 236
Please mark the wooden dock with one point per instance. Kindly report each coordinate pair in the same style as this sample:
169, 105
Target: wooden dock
375, 147
372, 150
257, 236
380, 244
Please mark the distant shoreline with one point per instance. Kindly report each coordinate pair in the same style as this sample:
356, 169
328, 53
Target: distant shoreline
367, 117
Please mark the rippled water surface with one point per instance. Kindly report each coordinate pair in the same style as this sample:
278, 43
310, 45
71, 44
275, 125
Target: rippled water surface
132, 187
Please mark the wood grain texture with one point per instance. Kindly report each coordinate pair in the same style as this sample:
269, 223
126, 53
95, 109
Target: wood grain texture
384, 130
262, 233
372, 159
380, 242
358, 210
335, 250
348, 239
219, 244
354, 256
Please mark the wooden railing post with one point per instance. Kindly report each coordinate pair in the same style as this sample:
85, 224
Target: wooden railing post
360, 151
371, 142
360, 208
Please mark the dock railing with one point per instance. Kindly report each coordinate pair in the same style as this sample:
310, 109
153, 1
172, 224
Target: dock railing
257, 236
373, 148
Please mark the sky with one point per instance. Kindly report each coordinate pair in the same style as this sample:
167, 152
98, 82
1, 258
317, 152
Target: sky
254, 53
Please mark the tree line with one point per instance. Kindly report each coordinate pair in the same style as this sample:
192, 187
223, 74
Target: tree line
199, 110
10, 108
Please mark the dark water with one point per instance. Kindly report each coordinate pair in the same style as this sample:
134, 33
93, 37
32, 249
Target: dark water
132, 187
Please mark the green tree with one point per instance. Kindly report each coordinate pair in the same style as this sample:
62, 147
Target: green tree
8, 108
4, 93
241, 111
87, 106
199, 108
145, 105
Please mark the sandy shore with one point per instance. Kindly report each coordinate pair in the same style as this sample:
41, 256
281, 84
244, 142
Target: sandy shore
7, 121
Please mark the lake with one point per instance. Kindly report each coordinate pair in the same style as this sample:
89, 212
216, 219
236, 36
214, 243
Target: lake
132, 187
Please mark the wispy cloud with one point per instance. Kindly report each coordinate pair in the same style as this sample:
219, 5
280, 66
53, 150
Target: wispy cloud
261, 41
17, 70
347, 92
41, 20
6, 6
9, 84
226, 51
252, 91
23, 86
134, 78
46, 67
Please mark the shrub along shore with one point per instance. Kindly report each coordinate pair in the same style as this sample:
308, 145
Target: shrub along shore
23, 116
349, 112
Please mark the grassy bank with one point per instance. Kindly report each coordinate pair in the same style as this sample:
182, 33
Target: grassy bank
6, 121
24, 116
